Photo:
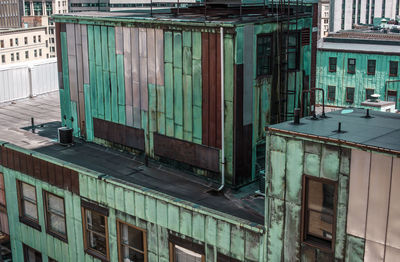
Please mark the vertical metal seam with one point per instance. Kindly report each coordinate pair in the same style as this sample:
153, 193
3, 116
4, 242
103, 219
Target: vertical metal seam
388, 211
366, 213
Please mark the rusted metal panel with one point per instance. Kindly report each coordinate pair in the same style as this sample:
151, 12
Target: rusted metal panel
393, 229
205, 87
358, 192
212, 87
75, 182
4, 160
187, 152
44, 174
117, 133
51, 174
23, 163
37, 166
218, 93
160, 57
248, 74
59, 176
58, 51
73, 84
378, 199
66, 176
374, 251
16, 160
10, 158
143, 69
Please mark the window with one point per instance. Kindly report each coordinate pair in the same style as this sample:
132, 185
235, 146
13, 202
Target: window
16, 41
350, 94
332, 64
31, 255
26, 54
12, 57
25, 40
331, 93
2, 43
34, 39
52, 260
185, 250
11, 42
4, 230
292, 50
95, 231
371, 67
351, 66
132, 244
28, 204
393, 68
39, 38
47, 43
55, 215
392, 96
368, 93
319, 212
40, 52
35, 52
17, 56
264, 53
3, 58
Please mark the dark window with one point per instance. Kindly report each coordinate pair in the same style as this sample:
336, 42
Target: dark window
1, 43
332, 64
132, 244
95, 233
351, 66
264, 55
3, 58
331, 93
26, 40
17, 55
393, 68
35, 52
4, 230
319, 211
292, 50
39, 38
16, 41
40, 52
350, 94
34, 39
28, 211
26, 54
12, 57
392, 96
31, 255
368, 93
11, 42
55, 215
371, 67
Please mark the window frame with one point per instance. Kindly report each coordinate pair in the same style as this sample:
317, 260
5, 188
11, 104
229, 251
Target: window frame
368, 67
102, 212
348, 65
144, 231
331, 64
296, 53
26, 249
269, 73
304, 221
390, 67
47, 217
23, 218
347, 99
186, 243
366, 92
391, 95
329, 98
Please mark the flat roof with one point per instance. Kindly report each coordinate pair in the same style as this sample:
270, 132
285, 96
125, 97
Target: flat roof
15, 123
380, 132
367, 47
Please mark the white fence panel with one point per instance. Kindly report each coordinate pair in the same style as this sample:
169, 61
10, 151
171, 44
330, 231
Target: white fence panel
44, 78
14, 84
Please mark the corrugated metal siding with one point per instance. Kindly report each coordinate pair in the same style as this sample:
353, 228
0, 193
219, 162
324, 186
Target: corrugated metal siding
44, 78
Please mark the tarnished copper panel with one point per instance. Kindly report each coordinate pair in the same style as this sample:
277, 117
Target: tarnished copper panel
151, 56
135, 78
119, 41
393, 230
143, 69
392, 254
378, 200
71, 48
160, 57
187, 152
374, 251
85, 54
358, 192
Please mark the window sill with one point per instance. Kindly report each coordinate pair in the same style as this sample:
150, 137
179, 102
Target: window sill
331, 71
58, 236
96, 255
319, 245
392, 75
371, 74
351, 73
30, 223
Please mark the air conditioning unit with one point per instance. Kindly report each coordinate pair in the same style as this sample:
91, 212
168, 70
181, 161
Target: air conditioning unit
65, 136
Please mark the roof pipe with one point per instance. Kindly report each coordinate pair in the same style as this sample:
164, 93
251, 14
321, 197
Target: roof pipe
222, 113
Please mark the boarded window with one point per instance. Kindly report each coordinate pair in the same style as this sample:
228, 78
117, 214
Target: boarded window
350, 94
351, 66
28, 204
368, 93
132, 244
31, 255
55, 215
4, 230
331, 93
371, 67
332, 64
319, 211
264, 55
393, 68
95, 234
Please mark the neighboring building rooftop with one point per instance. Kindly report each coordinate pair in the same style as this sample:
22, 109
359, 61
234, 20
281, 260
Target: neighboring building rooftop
380, 132
15, 128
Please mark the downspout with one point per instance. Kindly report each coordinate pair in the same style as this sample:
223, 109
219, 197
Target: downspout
222, 113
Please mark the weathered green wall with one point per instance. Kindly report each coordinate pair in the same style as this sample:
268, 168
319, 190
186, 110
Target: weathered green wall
287, 160
159, 214
360, 80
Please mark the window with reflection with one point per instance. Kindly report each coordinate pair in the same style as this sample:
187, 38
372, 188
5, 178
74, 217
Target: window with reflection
319, 211
95, 233
55, 215
132, 245
185, 250
181, 254
28, 204
31, 255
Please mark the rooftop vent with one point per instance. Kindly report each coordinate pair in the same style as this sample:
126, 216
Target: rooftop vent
65, 136
374, 98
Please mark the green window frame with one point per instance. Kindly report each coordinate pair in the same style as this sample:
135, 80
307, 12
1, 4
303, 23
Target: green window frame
351, 66
371, 67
